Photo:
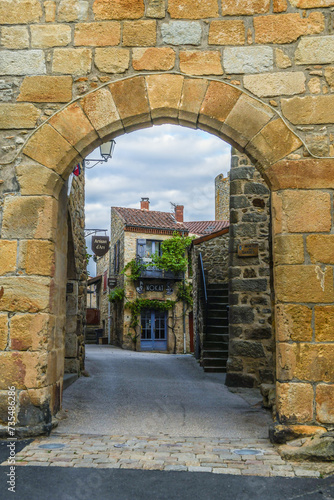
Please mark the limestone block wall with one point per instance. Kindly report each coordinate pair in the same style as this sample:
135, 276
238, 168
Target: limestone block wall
252, 347
257, 74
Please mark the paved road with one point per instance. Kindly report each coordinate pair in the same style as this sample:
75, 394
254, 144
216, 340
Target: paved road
56, 483
150, 394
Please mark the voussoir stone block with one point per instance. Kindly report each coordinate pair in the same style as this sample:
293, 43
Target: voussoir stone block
20, 11
73, 124
37, 257
181, 33
101, 110
15, 37
112, 60
297, 283
273, 142
196, 62
315, 50
50, 148
294, 402
139, 33
72, 61
36, 179
248, 59
7, 256
164, 94
153, 59
25, 294
325, 403
46, 36
219, 101
97, 34
29, 217
227, 32
275, 84
233, 8
293, 322
193, 93
22, 62
286, 28
46, 89
19, 115
192, 9
133, 111
247, 118
309, 109
324, 323
122, 9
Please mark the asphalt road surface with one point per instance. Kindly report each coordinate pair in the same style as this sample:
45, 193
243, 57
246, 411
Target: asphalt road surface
140, 393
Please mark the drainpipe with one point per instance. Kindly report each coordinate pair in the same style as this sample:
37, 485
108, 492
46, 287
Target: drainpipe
109, 303
184, 329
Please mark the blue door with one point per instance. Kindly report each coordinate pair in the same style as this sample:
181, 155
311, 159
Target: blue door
153, 330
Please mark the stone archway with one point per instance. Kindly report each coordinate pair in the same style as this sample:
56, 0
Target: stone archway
301, 210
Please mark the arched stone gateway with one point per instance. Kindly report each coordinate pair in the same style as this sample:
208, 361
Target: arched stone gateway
32, 299
258, 74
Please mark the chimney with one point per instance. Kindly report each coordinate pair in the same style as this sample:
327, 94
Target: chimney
179, 213
145, 204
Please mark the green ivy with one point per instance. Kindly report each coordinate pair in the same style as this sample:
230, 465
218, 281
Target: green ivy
184, 293
135, 268
173, 256
139, 304
116, 295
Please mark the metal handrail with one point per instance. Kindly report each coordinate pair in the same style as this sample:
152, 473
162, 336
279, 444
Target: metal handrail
205, 292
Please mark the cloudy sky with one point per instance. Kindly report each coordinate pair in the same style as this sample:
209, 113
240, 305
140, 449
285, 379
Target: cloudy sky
165, 163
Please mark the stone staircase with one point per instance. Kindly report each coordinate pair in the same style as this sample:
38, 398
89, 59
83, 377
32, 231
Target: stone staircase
215, 343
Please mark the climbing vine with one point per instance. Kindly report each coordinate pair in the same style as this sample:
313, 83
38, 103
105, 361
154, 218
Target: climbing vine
116, 295
135, 267
173, 257
184, 293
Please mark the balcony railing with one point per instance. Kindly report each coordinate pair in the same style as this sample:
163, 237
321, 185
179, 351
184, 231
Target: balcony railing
155, 273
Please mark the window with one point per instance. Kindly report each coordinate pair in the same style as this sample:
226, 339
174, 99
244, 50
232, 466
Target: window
147, 248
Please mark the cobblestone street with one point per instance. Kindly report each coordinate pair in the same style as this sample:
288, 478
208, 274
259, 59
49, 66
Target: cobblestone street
220, 456
159, 412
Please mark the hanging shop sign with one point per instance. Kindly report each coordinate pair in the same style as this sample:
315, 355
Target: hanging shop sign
248, 250
100, 245
112, 282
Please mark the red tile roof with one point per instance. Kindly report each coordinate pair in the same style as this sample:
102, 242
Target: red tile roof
135, 217
206, 226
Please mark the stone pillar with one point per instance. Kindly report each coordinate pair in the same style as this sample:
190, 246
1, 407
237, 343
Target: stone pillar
303, 273
251, 348
222, 197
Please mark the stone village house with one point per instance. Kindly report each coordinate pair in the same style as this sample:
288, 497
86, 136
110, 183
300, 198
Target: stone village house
138, 234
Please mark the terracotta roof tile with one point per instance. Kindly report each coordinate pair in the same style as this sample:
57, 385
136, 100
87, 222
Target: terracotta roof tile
136, 217
206, 226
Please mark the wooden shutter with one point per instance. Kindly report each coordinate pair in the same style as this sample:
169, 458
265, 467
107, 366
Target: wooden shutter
141, 244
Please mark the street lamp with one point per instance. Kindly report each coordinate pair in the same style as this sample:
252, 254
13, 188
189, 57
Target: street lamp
106, 151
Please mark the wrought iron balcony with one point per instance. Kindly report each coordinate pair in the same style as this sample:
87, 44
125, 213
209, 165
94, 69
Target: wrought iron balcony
155, 273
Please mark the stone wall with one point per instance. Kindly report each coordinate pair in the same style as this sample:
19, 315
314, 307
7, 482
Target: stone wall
252, 347
222, 197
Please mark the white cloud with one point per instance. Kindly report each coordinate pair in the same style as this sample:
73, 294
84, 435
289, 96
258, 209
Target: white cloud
166, 163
